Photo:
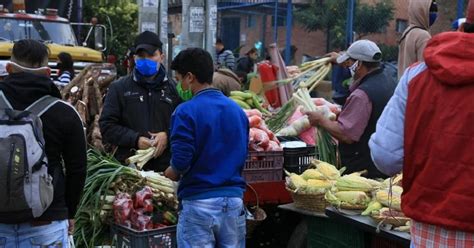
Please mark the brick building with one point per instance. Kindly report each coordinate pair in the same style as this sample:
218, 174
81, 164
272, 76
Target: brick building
245, 27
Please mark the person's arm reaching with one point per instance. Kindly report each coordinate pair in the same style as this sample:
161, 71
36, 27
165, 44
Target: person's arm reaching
182, 142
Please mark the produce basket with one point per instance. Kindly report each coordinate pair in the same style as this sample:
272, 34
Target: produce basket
394, 221
310, 202
297, 160
263, 167
127, 237
258, 214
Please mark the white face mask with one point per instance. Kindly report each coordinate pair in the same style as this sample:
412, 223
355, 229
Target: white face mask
353, 68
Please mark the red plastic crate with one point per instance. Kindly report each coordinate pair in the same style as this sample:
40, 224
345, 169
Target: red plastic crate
263, 167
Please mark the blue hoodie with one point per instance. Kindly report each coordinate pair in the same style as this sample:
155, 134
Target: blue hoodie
209, 142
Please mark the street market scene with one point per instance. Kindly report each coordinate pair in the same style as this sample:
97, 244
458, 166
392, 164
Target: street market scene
237, 123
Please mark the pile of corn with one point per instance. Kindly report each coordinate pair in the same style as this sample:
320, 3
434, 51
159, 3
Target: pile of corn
352, 191
314, 181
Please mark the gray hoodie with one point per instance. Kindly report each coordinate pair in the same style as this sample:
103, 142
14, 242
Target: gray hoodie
415, 37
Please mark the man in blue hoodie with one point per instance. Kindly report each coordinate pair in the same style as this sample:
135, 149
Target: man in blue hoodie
209, 140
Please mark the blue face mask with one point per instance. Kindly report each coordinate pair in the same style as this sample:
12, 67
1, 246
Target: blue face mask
433, 17
146, 67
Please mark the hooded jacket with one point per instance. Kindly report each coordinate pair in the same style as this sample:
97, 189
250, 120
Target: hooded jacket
64, 139
134, 107
414, 38
429, 133
226, 81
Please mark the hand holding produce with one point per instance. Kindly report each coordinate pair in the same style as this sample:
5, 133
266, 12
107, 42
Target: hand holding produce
144, 143
141, 157
160, 141
296, 127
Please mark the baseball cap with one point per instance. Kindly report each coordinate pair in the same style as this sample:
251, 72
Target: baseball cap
148, 41
457, 23
470, 12
363, 50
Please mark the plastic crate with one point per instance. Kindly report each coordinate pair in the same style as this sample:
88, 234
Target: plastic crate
326, 233
297, 160
263, 167
159, 238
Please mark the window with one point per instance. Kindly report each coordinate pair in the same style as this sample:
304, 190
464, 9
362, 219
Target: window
251, 21
401, 25
281, 21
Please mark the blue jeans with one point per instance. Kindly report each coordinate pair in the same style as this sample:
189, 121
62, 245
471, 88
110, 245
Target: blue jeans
214, 222
26, 236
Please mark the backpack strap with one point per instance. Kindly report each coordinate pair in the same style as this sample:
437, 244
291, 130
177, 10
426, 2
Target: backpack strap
42, 105
4, 103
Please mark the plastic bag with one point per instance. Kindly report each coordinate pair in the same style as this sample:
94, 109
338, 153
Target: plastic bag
140, 221
122, 207
141, 196
148, 205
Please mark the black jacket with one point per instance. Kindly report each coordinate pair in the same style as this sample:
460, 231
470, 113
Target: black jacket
133, 108
64, 137
245, 64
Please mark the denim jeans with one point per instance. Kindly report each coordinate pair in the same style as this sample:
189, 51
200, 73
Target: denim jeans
26, 236
214, 222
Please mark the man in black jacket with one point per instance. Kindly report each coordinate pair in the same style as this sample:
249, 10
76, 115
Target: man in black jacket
28, 81
138, 107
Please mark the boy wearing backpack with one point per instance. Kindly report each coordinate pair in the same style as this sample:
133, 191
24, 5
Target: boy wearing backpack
42, 154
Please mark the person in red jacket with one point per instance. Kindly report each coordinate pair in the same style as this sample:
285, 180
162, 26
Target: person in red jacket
427, 129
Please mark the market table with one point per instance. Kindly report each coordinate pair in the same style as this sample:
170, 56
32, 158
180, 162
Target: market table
367, 224
292, 207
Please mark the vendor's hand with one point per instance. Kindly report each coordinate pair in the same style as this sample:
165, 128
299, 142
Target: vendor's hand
71, 227
160, 141
314, 117
144, 143
333, 56
171, 174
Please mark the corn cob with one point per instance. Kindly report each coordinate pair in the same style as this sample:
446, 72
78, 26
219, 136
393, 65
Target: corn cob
392, 202
327, 170
312, 174
373, 206
353, 183
347, 198
353, 197
297, 182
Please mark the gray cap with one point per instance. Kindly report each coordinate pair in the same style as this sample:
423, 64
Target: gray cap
363, 50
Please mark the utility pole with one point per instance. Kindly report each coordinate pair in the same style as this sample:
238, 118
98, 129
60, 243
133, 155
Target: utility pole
163, 27
148, 15
211, 26
193, 23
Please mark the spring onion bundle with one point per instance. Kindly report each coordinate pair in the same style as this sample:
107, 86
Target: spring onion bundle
105, 178
141, 157
326, 146
278, 121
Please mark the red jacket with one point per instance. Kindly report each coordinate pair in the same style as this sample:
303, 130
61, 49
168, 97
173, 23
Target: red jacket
438, 169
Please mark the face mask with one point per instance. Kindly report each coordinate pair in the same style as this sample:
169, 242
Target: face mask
433, 16
353, 68
184, 94
146, 67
